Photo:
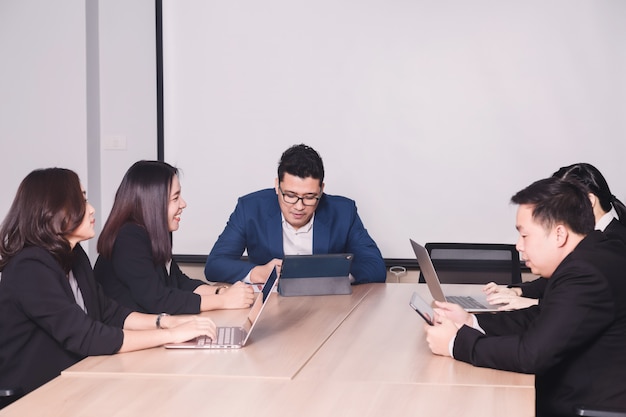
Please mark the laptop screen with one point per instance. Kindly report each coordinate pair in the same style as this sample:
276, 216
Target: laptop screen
255, 311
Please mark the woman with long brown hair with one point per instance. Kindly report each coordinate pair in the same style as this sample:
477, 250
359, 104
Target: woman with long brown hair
135, 266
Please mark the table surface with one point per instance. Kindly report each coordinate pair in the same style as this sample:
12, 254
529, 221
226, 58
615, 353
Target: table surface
387, 334
356, 355
287, 335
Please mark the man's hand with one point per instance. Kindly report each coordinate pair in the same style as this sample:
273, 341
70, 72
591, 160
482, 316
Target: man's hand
454, 313
260, 273
439, 336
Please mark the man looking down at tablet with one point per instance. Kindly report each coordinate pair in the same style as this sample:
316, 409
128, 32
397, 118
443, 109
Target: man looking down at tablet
293, 218
575, 340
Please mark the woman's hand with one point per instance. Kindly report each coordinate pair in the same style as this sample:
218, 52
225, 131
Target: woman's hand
493, 288
507, 298
238, 295
139, 332
189, 327
506, 301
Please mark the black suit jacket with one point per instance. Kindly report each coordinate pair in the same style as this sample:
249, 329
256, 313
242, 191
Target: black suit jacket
132, 279
536, 288
574, 341
42, 329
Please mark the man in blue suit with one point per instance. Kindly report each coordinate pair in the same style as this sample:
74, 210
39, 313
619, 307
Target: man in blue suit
293, 218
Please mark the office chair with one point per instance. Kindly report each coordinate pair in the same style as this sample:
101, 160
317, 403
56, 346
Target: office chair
9, 395
475, 263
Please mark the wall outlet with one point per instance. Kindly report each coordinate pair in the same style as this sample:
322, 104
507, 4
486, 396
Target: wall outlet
115, 142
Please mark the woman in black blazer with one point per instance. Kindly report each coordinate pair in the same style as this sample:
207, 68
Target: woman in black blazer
610, 216
52, 311
135, 266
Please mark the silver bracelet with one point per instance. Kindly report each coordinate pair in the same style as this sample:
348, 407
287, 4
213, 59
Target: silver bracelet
158, 320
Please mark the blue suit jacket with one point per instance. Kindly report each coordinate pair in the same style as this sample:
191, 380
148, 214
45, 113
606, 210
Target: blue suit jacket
256, 225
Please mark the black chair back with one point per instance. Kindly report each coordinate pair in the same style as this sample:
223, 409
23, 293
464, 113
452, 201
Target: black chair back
475, 263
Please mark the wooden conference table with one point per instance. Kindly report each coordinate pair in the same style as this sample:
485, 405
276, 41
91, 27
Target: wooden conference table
357, 355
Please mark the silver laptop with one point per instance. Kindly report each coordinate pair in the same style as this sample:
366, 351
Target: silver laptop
475, 304
234, 337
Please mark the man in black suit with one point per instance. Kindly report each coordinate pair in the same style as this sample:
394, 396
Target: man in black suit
575, 340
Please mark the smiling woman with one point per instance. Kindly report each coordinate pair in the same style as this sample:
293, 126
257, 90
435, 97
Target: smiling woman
175, 205
135, 265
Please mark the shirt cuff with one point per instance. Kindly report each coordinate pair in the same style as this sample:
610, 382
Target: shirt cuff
451, 346
475, 325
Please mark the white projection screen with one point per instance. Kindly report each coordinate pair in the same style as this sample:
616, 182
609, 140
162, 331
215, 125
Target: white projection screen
430, 114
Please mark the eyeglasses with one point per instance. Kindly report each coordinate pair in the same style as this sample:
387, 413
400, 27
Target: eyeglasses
307, 200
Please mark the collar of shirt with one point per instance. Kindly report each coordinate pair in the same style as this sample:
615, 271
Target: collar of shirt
78, 295
606, 219
300, 241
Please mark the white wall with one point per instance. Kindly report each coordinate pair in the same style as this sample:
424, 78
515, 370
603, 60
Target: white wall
127, 90
75, 74
79, 75
42, 89
430, 114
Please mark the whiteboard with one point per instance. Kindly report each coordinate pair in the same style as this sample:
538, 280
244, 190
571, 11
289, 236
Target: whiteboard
430, 114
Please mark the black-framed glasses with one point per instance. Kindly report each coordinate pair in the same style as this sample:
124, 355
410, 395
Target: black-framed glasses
291, 198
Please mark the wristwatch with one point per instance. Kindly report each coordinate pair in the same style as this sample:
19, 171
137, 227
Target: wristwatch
158, 320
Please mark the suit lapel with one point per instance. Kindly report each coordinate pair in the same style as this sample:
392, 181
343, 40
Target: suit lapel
274, 233
321, 230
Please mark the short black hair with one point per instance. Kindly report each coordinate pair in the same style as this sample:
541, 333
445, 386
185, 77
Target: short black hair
555, 200
301, 161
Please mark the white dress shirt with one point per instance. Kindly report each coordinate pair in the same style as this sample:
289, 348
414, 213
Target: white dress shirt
78, 296
295, 242
606, 219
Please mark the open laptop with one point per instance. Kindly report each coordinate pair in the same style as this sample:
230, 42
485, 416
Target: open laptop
476, 304
319, 274
237, 336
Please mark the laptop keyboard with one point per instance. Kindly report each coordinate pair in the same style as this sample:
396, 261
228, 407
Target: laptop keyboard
225, 336
465, 302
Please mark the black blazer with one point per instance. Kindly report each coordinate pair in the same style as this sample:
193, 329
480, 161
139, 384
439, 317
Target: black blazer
42, 329
132, 279
574, 341
536, 287
615, 229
